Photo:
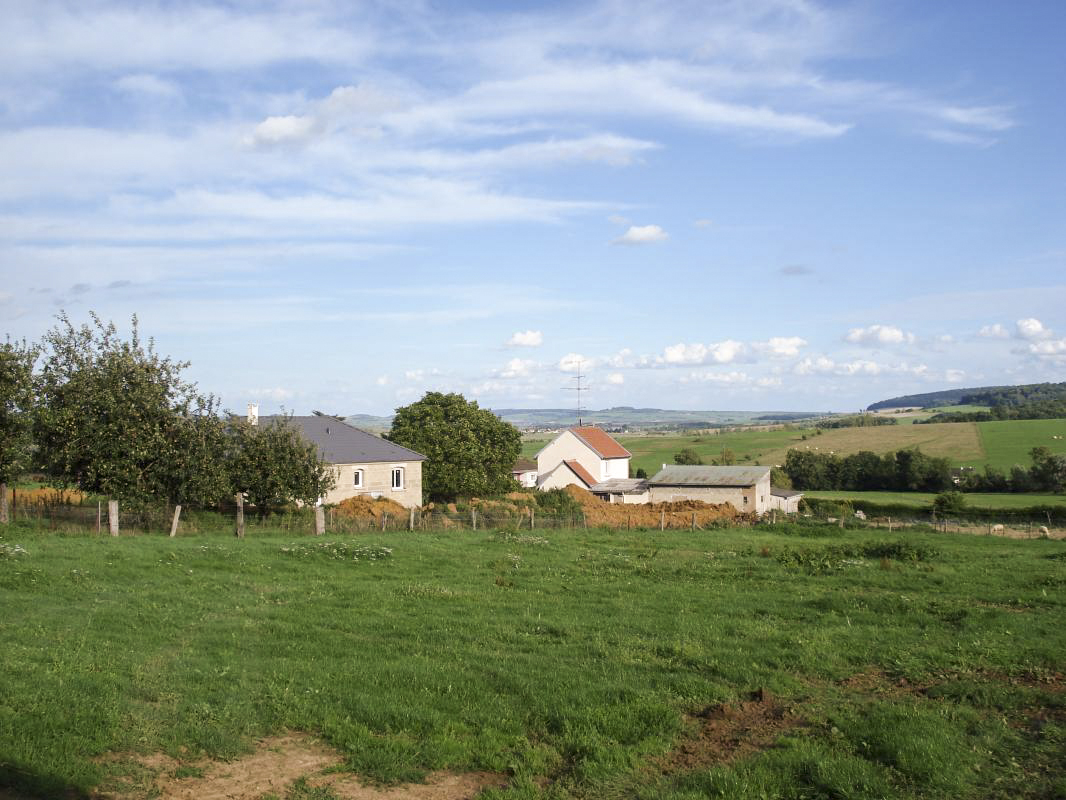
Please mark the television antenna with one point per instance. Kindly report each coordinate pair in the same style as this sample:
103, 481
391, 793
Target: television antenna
579, 389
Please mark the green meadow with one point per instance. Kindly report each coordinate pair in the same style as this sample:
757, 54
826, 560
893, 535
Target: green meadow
925, 499
783, 661
1008, 442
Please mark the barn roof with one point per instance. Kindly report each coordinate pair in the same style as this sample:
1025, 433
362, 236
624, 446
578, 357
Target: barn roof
581, 472
340, 443
679, 475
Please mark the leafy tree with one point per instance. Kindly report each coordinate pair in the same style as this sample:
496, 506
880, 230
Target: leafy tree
469, 450
641, 473
688, 456
726, 458
950, 503
273, 465
1048, 471
110, 412
16, 401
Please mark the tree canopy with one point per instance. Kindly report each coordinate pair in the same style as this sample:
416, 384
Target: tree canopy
16, 402
469, 450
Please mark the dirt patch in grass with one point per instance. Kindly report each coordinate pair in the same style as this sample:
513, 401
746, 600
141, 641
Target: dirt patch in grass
730, 731
878, 682
273, 769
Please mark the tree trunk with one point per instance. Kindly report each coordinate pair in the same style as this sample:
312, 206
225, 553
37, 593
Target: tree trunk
240, 515
3, 504
112, 517
320, 520
174, 523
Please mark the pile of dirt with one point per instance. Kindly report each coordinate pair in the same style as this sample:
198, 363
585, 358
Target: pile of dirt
277, 767
364, 507
727, 732
677, 514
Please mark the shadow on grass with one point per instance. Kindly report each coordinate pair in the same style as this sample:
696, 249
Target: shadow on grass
18, 782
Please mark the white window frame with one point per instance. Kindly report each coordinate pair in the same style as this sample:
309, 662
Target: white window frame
397, 470
358, 478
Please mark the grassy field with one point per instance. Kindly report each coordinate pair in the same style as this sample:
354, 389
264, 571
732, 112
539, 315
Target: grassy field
1008, 442
596, 665
975, 500
1001, 444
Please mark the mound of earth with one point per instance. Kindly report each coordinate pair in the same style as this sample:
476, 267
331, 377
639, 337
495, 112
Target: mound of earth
677, 514
364, 507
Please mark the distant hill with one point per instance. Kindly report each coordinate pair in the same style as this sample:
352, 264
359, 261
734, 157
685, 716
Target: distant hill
1026, 401
618, 418
947, 397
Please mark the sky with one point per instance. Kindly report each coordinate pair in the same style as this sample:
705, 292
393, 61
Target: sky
739, 205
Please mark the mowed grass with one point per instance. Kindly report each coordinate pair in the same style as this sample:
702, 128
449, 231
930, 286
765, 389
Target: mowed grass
1008, 442
924, 499
914, 665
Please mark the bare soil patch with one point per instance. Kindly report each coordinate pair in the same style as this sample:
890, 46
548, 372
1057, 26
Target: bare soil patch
272, 769
730, 731
877, 682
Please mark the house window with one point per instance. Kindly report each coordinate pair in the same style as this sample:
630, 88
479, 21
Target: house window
357, 479
397, 477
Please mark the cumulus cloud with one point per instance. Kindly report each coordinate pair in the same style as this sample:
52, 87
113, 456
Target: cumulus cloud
823, 365
517, 368
289, 129
616, 378
879, 335
780, 346
723, 352
526, 339
995, 331
954, 375
642, 234
1032, 330
573, 362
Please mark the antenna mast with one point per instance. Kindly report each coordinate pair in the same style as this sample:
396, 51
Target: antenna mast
579, 389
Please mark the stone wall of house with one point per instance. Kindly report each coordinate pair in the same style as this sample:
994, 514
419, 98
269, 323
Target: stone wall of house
377, 482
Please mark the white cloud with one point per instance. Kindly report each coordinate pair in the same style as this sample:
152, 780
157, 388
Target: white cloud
526, 339
382, 380
1032, 330
995, 331
879, 335
642, 234
573, 362
723, 378
723, 352
954, 375
517, 368
780, 346
616, 378
283, 130
823, 365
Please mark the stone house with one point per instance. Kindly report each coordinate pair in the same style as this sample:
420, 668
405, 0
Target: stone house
364, 464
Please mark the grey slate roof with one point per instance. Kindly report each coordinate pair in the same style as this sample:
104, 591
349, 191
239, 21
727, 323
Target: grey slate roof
620, 486
340, 443
679, 475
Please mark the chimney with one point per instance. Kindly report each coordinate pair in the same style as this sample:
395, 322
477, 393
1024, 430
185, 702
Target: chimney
253, 413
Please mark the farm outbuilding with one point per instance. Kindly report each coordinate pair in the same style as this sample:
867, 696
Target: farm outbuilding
785, 500
746, 488
581, 456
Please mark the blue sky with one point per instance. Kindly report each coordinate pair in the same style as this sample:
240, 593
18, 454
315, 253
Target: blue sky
767, 204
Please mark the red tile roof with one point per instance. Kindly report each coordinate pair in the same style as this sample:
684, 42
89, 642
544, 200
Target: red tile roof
601, 442
582, 473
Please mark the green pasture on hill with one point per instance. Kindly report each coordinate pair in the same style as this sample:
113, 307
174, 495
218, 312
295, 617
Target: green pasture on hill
590, 664
925, 499
1008, 442
1000, 444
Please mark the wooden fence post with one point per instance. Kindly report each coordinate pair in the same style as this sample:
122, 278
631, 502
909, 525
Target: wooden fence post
99, 514
473, 518
320, 520
693, 521
240, 514
531, 517
411, 521
3, 504
662, 520
174, 522
112, 516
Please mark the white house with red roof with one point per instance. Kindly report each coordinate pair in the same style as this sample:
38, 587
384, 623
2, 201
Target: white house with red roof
582, 456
